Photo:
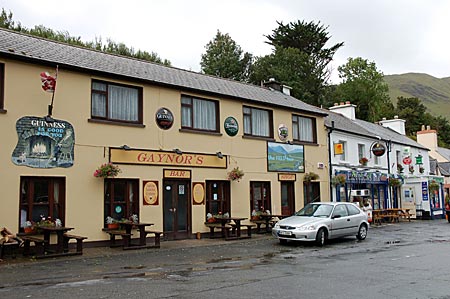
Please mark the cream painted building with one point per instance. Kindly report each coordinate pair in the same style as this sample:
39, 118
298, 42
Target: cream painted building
174, 134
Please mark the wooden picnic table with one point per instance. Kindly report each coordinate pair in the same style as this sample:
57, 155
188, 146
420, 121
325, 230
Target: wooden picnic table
236, 226
267, 218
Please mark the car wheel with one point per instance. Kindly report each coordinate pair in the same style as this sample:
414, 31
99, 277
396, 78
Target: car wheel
362, 232
283, 241
321, 237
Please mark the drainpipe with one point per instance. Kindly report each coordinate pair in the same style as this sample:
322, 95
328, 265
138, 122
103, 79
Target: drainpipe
329, 159
389, 145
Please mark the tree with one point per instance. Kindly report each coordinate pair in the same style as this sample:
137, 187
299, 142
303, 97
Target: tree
224, 58
413, 112
363, 85
6, 21
308, 71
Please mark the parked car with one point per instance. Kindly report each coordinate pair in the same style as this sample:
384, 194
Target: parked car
322, 221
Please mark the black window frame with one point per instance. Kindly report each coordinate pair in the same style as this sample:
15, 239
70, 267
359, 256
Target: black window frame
223, 200
244, 115
296, 123
2, 87
265, 202
112, 120
130, 208
192, 116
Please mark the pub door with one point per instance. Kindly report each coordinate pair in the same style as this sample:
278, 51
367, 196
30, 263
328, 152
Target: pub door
287, 198
176, 209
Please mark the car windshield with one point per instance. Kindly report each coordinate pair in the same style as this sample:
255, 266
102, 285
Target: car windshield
315, 210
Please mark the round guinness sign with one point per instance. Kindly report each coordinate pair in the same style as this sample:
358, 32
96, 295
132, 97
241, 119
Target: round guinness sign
378, 149
164, 118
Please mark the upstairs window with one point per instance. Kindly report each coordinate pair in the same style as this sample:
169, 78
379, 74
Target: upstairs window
304, 129
199, 114
361, 151
2, 86
257, 122
114, 102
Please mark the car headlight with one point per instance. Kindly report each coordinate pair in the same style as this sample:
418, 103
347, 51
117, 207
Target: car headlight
308, 227
277, 225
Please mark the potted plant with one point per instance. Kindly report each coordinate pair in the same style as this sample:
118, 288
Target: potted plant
112, 223
107, 170
421, 169
235, 174
447, 202
433, 186
411, 169
399, 168
394, 182
29, 227
363, 161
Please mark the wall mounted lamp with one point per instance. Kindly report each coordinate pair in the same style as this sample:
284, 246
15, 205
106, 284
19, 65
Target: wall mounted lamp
125, 147
178, 151
219, 155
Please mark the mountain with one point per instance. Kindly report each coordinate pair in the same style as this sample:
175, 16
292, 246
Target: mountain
433, 92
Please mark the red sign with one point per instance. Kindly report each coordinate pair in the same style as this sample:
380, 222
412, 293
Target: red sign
407, 160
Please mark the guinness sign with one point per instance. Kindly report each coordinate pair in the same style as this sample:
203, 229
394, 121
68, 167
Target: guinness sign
378, 149
164, 118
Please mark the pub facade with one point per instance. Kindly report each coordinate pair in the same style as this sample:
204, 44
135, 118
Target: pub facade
89, 135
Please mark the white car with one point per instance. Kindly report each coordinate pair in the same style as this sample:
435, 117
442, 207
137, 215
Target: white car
322, 221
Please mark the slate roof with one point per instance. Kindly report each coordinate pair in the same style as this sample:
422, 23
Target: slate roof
345, 124
444, 152
20, 46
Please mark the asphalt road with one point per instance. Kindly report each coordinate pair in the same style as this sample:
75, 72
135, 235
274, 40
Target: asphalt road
404, 260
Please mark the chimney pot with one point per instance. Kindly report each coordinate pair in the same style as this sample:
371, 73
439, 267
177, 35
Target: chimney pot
341, 103
335, 104
423, 127
396, 117
384, 118
347, 102
428, 127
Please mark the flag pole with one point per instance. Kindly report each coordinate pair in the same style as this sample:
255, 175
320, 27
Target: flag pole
50, 107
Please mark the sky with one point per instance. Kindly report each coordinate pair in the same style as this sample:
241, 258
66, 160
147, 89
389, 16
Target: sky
400, 36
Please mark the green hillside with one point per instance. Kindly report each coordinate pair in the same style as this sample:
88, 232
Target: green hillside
433, 92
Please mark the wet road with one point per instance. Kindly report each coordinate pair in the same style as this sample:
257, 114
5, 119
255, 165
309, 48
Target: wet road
405, 260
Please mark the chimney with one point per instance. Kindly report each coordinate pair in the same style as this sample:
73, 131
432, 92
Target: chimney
396, 124
427, 138
275, 85
346, 109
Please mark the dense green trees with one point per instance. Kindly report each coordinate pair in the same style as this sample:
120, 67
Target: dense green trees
6, 21
363, 85
224, 58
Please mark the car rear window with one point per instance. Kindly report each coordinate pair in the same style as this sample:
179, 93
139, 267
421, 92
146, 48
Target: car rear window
353, 210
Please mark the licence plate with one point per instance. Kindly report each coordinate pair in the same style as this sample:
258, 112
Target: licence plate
284, 233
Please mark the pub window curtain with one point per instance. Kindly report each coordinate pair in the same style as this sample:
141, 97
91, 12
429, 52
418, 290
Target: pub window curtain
260, 123
123, 103
204, 115
305, 127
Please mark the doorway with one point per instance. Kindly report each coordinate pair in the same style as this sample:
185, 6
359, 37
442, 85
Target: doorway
287, 198
177, 209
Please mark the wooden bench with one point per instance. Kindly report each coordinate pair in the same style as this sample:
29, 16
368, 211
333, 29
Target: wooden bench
39, 243
215, 225
112, 238
258, 224
157, 237
248, 226
12, 247
79, 239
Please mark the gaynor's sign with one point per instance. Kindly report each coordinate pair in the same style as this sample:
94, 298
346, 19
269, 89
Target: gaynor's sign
43, 144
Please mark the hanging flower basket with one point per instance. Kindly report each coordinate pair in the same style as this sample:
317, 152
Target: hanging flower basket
433, 186
399, 168
394, 182
107, 170
310, 176
339, 179
411, 169
235, 174
421, 169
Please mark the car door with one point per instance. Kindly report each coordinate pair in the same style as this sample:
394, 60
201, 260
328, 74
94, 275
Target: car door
340, 222
356, 216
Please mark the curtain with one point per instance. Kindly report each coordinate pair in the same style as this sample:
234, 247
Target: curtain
123, 103
305, 128
204, 115
98, 100
260, 123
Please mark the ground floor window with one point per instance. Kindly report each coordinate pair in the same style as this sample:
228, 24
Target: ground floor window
260, 196
41, 197
311, 192
218, 197
121, 198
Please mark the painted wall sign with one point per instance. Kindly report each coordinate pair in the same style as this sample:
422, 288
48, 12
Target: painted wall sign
177, 173
43, 144
285, 157
287, 177
378, 149
338, 149
148, 157
164, 118
231, 126
283, 132
198, 193
424, 191
150, 193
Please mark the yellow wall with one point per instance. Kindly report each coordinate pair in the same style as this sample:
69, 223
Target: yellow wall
84, 193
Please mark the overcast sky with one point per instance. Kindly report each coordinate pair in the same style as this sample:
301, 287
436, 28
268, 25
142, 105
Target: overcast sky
400, 36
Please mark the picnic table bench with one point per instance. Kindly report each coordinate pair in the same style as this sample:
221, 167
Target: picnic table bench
112, 237
78, 239
11, 247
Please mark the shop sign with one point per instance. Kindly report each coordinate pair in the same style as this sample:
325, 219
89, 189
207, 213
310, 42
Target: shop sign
291, 177
149, 157
231, 126
419, 160
150, 192
283, 132
43, 144
407, 160
424, 191
378, 149
164, 118
177, 174
338, 149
